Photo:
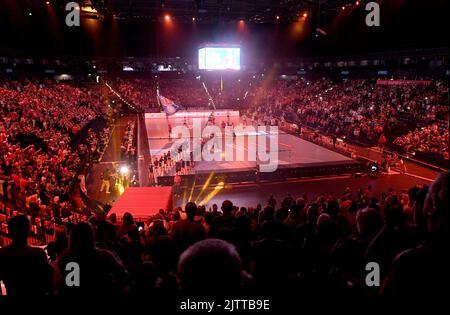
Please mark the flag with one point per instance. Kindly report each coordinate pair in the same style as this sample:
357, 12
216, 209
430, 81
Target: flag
168, 105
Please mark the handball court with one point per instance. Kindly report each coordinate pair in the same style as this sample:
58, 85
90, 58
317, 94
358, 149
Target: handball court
292, 151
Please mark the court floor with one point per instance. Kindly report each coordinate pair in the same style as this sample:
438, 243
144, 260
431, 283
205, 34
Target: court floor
288, 151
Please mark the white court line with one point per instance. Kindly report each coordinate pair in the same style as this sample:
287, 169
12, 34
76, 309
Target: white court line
419, 177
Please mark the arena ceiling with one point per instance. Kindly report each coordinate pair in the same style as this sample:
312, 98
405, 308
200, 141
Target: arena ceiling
126, 27
213, 11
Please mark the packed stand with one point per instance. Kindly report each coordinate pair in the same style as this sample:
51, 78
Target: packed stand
39, 124
306, 246
187, 92
432, 139
140, 92
358, 110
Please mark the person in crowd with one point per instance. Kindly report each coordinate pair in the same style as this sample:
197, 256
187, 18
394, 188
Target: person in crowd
349, 259
61, 242
101, 273
210, 266
187, 232
394, 237
127, 223
106, 177
24, 270
422, 271
271, 258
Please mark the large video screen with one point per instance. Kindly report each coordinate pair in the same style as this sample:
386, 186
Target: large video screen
219, 58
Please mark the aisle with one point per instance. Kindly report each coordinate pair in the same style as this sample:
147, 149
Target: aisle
112, 155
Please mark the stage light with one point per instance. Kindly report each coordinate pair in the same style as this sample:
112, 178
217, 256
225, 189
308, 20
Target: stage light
192, 191
357, 3
124, 170
278, 17
305, 14
167, 17
343, 8
205, 185
193, 19
30, 14
213, 193
48, 2
88, 9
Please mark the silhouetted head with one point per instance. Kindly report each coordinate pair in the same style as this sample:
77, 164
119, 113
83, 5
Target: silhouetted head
133, 232
394, 215
368, 222
227, 207
148, 274
82, 238
243, 225
332, 208
208, 218
436, 208
343, 227
127, 219
158, 227
268, 213
210, 265
191, 210
268, 229
313, 213
324, 219
113, 218
19, 230
60, 233
300, 202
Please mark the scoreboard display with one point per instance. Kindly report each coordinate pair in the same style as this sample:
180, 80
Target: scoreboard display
219, 58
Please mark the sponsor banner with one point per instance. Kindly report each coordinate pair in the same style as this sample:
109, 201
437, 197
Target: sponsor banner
403, 82
187, 114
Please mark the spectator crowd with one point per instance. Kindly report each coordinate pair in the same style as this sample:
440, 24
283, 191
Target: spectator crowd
360, 110
41, 147
307, 246
430, 139
312, 246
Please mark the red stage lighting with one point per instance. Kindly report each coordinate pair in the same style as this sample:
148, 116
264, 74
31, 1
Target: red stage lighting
167, 17
305, 14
